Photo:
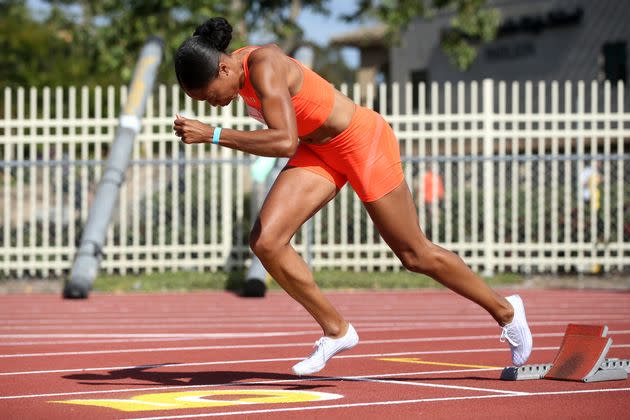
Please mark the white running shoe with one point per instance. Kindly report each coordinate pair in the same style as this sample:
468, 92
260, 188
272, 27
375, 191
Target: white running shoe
517, 333
325, 348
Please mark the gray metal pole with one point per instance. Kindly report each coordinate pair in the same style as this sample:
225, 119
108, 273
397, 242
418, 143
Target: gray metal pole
256, 278
88, 256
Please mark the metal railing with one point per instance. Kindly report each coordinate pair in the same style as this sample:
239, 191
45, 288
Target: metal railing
524, 177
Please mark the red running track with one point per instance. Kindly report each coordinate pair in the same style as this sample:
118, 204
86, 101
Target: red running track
198, 355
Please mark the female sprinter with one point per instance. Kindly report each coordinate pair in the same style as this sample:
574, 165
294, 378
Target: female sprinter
330, 140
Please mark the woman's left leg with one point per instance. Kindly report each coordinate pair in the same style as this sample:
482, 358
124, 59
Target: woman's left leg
396, 220
395, 217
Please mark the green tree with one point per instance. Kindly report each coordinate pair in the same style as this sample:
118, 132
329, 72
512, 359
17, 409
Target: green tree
97, 41
473, 23
330, 64
110, 32
280, 18
36, 53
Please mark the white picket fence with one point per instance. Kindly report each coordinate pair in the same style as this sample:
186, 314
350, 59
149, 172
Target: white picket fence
510, 157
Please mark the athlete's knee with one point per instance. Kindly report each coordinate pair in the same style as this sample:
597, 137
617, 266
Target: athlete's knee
425, 259
263, 242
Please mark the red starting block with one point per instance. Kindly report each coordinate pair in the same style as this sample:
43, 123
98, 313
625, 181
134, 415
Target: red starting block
581, 357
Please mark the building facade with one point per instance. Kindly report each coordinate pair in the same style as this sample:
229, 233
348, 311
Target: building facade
538, 40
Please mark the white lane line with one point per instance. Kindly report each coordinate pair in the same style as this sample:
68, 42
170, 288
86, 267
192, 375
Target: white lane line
168, 336
223, 319
305, 323
267, 382
48, 319
246, 346
63, 322
157, 325
285, 359
368, 327
369, 404
163, 349
103, 341
256, 346
133, 338
165, 335
466, 388
250, 346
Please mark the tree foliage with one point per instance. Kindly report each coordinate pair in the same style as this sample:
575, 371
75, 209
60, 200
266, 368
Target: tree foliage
36, 53
330, 64
280, 18
112, 32
97, 41
472, 24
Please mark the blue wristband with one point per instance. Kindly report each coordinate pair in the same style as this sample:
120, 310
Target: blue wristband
216, 135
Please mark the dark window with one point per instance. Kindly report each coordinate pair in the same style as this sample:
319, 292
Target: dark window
417, 77
615, 59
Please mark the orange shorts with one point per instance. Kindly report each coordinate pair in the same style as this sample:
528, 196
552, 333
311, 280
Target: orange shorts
366, 153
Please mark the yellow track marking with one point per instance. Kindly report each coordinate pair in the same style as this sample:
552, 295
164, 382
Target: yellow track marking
204, 399
424, 362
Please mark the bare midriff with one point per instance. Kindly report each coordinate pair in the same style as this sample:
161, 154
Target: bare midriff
338, 120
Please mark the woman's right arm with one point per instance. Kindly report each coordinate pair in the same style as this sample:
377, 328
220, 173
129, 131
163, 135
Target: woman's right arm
268, 75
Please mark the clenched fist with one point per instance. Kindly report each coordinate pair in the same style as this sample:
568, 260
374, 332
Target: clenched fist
192, 131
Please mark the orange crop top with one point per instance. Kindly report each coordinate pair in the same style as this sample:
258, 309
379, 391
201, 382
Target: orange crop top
312, 104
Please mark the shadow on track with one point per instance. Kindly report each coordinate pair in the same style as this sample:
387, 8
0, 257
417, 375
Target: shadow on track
142, 373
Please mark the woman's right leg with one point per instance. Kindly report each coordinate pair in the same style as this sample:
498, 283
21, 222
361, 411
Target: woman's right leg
296, 195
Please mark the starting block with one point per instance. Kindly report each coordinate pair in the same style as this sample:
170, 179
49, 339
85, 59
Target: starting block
581, 358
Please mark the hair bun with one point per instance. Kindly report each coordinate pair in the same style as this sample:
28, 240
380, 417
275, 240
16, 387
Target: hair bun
217, 31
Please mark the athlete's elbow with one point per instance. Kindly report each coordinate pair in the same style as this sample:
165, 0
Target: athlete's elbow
289, 148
